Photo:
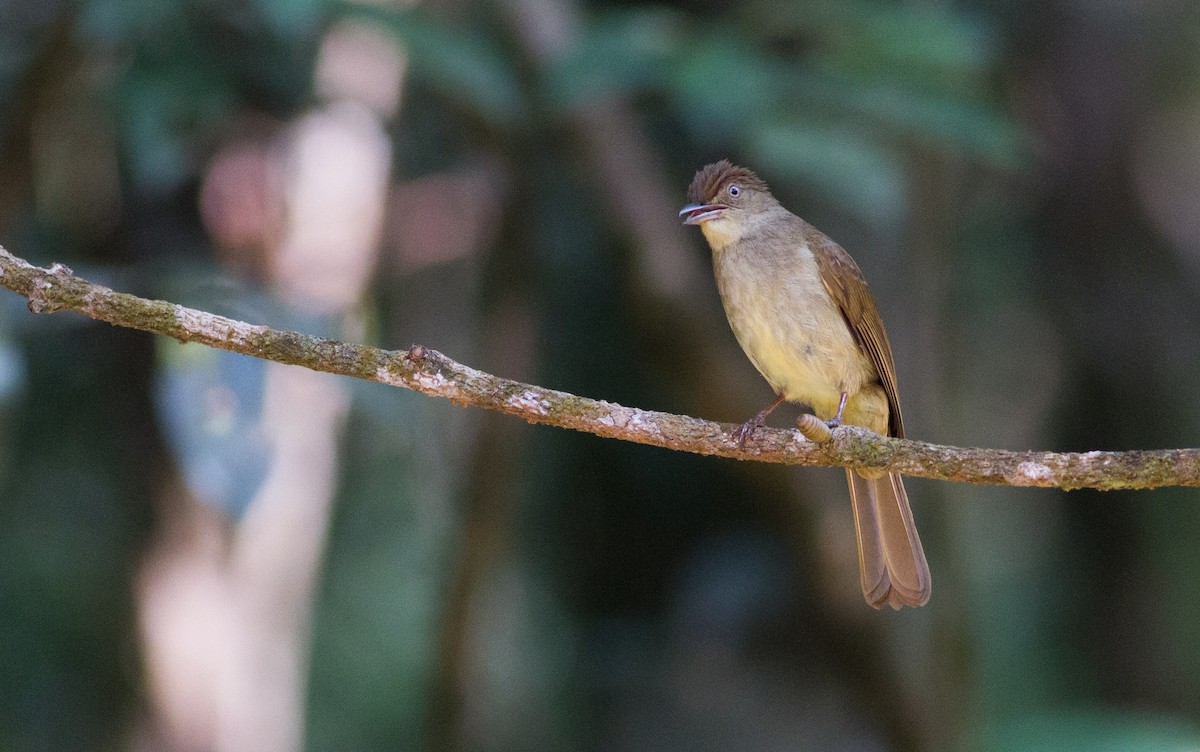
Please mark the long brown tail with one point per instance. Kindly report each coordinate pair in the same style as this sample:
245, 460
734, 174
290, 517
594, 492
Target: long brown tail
890, 557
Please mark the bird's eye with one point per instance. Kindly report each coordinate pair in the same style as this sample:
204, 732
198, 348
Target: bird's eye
734, 191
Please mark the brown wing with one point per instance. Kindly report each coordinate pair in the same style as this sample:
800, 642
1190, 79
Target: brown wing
846, 285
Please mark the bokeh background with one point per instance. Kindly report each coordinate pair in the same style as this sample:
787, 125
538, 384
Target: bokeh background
200, 551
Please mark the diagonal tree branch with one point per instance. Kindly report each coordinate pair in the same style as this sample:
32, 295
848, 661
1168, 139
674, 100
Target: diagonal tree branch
421, 369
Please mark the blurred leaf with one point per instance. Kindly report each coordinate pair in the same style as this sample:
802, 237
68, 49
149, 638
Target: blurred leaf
727, 86
458, 60
158, 122
920, 40
723, 85
916, 44
1095, 730
14, 383
617, 54
112, 21
850, 168
13, 374
289, 17
209, 403
940, 119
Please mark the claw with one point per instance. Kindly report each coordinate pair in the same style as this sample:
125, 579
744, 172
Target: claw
742, 433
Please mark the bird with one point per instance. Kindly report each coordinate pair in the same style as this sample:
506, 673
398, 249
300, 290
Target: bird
801, 310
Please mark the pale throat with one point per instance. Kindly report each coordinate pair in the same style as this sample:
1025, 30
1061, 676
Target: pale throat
721, 231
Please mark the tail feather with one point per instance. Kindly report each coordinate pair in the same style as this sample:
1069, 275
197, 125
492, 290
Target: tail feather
891, 560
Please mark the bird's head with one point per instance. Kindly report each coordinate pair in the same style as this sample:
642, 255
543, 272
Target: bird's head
723, 198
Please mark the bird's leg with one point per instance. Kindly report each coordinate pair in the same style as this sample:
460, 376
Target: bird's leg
837, 419
747, 429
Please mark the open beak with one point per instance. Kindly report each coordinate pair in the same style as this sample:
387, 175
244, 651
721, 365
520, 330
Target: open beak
694, 214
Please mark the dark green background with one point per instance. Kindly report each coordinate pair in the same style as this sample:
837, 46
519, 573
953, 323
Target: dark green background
1018, 181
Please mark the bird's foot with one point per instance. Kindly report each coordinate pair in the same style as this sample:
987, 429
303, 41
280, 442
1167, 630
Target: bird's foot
742, 433
836, 420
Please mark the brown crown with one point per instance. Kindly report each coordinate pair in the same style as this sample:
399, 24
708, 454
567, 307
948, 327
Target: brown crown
712, 179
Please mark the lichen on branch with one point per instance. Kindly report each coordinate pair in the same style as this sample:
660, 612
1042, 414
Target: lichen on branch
428, 371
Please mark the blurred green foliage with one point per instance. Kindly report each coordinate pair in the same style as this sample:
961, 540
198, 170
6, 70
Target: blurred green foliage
986, 162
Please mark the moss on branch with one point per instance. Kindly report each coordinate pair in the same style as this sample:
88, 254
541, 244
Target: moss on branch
428, 371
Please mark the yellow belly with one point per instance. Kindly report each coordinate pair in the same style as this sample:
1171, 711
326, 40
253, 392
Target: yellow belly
796, 336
